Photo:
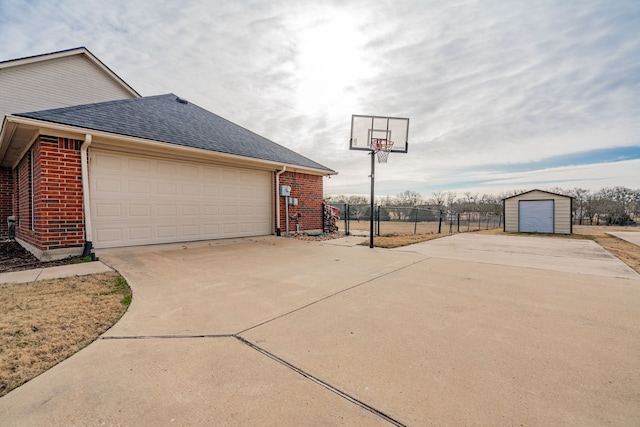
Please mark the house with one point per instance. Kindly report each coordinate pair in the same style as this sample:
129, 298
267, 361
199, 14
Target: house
58, 79
137, 170
538, 211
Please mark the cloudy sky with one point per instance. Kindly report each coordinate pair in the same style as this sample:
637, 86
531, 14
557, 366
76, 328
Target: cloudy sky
501, 95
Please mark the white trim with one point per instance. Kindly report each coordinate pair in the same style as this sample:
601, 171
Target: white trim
86, 201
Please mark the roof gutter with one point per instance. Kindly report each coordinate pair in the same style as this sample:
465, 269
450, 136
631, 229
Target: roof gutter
278, 228
86, 200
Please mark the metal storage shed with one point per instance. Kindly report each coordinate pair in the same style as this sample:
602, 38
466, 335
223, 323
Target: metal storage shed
538, 211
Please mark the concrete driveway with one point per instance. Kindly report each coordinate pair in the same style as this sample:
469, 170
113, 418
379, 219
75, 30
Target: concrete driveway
464, 330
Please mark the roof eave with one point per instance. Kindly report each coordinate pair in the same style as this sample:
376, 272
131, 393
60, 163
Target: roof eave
117, 140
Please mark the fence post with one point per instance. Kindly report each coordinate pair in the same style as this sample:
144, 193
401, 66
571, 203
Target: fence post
347, 213
378, 219
324, 217
440, 223
458, 222
415, 222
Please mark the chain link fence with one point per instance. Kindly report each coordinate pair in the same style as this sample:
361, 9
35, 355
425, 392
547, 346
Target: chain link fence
355, 219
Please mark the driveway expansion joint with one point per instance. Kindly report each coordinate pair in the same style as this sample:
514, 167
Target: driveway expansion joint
321, 383
273, 357
332, 295
151, 337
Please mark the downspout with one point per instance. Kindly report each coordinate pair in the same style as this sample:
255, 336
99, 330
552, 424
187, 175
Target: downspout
278, 229
84, 161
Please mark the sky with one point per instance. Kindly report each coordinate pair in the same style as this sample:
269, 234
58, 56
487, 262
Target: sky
501, 95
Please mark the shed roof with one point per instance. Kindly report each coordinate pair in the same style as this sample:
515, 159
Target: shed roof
541, 191
170, 119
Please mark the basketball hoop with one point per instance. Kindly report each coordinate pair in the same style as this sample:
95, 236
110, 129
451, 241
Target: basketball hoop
382, 148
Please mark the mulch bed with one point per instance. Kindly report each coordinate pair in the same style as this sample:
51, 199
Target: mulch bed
14, 257
316, 237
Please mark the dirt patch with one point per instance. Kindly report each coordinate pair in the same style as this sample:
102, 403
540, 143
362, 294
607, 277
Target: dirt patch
394, 240
626, 251
44, 322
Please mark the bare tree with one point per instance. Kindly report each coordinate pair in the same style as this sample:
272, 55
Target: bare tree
580, 202
450, 199
437, 199
408, 198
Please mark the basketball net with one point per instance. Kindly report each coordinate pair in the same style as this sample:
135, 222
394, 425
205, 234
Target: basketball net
382, 148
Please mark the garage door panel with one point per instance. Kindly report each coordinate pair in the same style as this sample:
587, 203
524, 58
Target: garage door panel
143, 200
190, 210
140, 211
106, 210
167, 210
108, 235
139, 233
108, 185
167, 188
137, 187
139, 165
536, 216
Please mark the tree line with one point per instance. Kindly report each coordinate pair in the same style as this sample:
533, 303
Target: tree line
607, 206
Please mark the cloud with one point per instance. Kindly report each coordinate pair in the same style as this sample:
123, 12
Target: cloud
489, 85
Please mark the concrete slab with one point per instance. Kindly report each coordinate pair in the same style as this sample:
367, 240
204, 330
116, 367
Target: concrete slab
181, 382
629, 236
226, 287
444, 342
82, 269
28, 276
25, 276
557, 254
427, 336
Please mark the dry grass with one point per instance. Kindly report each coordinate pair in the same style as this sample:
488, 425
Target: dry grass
394, 240
626, 251
43, 323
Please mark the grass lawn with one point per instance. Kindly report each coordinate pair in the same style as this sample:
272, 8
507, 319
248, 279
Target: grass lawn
44, 322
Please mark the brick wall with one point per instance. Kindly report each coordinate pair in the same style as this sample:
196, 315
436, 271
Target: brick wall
6, 197
22, 202
57, 190
308, 189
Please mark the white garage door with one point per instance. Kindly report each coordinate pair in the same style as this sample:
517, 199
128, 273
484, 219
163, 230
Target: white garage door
139, 200
536, 216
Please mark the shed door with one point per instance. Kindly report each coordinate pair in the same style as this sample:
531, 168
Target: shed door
536, 216
140, 200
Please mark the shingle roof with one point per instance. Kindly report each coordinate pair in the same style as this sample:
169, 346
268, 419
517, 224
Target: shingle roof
167, 118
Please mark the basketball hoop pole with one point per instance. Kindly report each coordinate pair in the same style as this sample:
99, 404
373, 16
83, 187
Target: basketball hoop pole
373, 178
380, 136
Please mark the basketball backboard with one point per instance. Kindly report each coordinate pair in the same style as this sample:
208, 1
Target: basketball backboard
365, 130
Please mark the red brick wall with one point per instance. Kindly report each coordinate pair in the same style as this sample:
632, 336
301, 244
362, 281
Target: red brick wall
308, 189
6, 199
57, 193
22, 202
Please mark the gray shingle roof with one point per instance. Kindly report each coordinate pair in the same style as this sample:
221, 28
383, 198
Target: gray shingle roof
164, 118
